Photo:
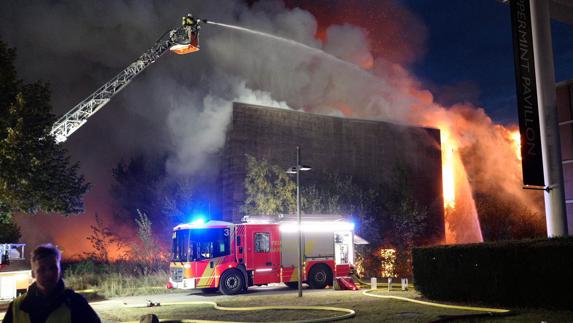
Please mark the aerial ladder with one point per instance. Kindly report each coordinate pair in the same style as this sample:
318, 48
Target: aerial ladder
180, 40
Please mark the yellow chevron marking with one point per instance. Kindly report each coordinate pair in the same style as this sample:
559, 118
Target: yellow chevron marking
209, 274
294, 275
217, 263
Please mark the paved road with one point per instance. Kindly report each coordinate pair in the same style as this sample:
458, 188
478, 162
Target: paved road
197, 295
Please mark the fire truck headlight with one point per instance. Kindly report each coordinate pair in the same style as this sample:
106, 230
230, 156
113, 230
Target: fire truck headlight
187, 266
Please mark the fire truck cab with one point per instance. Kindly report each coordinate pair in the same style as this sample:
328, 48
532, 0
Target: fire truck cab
231, 257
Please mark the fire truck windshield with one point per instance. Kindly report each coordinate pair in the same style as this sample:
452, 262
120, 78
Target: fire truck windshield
200, 244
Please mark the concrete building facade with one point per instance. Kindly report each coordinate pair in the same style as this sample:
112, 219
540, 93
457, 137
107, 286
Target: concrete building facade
367, 150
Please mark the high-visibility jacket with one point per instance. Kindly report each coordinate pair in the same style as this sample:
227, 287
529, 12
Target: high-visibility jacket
66, 307
60, 314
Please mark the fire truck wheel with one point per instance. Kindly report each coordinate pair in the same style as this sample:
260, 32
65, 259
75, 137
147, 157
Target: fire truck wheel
231, 282
319, 276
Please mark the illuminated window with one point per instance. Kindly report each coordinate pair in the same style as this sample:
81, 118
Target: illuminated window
262, 242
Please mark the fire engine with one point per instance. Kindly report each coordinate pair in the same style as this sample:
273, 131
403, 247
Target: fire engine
231, 257
221, 255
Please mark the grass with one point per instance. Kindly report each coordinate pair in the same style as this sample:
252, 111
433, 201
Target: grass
117, 284
368, 309
127, 279
115, 279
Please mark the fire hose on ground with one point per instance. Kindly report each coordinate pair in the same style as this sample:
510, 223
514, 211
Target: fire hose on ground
448, 306
348, 313
484, 311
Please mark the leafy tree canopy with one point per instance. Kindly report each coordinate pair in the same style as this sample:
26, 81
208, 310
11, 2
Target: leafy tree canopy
269, 189
35, 173
9, 232
503, 219
136, 186
142, 186
406, 214
386, 215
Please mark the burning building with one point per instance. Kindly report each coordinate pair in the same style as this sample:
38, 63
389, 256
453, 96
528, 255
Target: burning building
366, 150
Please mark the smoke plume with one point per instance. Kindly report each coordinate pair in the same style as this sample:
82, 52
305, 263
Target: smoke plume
182, 104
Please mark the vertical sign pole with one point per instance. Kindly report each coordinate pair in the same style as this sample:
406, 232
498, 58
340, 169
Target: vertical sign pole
537, 109
556, 217
300, 247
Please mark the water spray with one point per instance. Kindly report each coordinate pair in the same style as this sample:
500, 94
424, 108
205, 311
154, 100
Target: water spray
295, 43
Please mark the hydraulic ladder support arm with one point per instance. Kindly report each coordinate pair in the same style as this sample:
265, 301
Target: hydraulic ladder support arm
181, 40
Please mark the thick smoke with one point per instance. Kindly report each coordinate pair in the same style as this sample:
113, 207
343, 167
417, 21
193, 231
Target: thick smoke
197, 125
182, 104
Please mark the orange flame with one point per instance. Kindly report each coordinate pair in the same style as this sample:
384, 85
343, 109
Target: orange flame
460, 214
516, 143
448, 171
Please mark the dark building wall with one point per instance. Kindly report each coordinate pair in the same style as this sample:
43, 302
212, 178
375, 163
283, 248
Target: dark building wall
565, 117
366, 150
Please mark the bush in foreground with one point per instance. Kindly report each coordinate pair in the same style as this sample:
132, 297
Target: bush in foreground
518, 273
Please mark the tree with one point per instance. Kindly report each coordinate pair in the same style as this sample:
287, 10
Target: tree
9, 232
270, 192
338, 194
143, 186
136, 187
145, 234
103, 241
35, 173
334, 195
179, 199
503, 219
407, 218
145, 252
268, 188
388, 215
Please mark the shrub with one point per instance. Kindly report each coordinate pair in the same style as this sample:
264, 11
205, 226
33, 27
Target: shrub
518, 273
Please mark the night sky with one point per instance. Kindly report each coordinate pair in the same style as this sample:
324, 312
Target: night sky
463, 48
433, 54
469, 45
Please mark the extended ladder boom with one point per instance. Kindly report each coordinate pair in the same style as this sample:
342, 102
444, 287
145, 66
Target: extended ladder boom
181, 40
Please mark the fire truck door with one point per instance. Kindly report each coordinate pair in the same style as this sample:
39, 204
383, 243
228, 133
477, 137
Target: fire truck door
265, 254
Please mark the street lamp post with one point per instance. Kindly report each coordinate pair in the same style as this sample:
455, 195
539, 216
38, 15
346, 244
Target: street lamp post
296, 170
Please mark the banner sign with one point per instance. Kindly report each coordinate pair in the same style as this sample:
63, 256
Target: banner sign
531, 157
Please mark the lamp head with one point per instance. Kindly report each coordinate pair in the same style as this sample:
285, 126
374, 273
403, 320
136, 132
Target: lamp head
291, 170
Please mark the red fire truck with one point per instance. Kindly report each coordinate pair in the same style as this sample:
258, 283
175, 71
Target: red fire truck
231, 257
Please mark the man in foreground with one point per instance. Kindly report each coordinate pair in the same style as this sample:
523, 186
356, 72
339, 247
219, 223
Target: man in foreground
47, 299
